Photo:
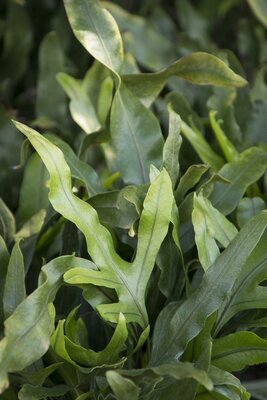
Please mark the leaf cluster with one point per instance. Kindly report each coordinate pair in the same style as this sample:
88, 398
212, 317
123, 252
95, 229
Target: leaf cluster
133, 237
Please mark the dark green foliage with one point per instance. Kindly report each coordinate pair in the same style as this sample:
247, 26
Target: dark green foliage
133, 216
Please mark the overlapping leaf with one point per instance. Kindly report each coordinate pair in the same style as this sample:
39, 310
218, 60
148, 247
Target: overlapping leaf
242, 172
247, 293
210, 226
187, 321
128, 280
28, 329
236, 351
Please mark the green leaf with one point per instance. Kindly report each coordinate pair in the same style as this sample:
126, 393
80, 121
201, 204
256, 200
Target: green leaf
199, 68
34, 190
60, 345
81, 107
205, 69
227, 384
239, 350
28, 329
114, 209
202, 147
7, 223
123, 388
131, 286
109, 355
136, 136
210, 226
148, 45
32, 227
172, 147
227, 147
30, 392
39, 377
177, 370
259, 8
241, 173
184, 370
51, 100
247, 293
105, 99
57, 342
259, 89
79, 169
113, 271
173, 277
247, 208
190, 178
4, 261
14, 289
188, 320
97, 31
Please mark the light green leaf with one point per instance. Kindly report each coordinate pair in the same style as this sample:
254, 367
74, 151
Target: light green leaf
202, 147
227, 147
199, 68
113, 271
28, 329
210, 226
14, 289
57, 342
259, 8
4, 260
105, 99
123, 388
7, 223
109, 355
239, 350
242, 172
130, 280
205, 69
247, 208
81, 107
59, 345
188, 320
136, 137
172, 146
97, 31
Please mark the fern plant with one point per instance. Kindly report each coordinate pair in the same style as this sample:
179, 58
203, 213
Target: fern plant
132, 271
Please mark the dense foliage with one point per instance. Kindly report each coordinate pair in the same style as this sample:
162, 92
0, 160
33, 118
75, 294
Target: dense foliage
133, 155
